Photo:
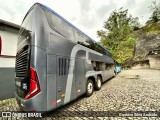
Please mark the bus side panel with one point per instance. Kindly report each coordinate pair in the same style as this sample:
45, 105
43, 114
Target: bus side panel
51, 82
59, 45
62, 48
107, 75
40, 33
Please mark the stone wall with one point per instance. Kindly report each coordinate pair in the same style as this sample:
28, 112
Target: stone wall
148, 39
145, 44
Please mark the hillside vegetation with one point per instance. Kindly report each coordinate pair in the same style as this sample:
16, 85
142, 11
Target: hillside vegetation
123, 35
118, 35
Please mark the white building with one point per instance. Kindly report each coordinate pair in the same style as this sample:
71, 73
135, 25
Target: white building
8, 43
8, 46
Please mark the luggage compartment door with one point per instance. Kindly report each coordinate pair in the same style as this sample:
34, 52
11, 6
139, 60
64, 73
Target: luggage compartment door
51, 82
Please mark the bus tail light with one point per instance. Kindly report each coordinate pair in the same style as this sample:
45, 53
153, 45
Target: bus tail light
34, 84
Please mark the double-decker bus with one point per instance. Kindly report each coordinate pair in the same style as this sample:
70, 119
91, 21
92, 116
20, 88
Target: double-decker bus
56, 62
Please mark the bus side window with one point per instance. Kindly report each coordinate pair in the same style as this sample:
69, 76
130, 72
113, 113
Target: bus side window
94, 65
98, 66
106, 66
109, 66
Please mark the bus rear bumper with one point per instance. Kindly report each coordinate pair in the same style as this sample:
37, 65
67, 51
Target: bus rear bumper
31, 105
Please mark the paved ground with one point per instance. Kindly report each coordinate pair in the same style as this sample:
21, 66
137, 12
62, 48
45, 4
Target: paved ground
131, 90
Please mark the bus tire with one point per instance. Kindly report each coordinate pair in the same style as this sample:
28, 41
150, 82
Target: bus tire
98, 84
89, 88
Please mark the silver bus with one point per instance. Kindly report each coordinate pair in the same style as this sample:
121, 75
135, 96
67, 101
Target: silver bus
56, 62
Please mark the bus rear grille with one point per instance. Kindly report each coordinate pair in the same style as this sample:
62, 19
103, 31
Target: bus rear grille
22, 62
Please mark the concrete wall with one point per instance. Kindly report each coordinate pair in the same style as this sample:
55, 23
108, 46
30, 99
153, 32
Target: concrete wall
7, 78
138, 66
141, 64
6, 83
7, 62
154, 61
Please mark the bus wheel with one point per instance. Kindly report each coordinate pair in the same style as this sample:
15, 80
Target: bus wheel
98, 84
89, 88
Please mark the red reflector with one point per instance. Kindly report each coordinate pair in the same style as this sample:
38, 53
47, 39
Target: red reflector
34, 84
54, 102
23, 105
32, 74
33, 111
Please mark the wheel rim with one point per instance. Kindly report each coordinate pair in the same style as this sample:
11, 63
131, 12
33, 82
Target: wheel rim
90, 87
99, 83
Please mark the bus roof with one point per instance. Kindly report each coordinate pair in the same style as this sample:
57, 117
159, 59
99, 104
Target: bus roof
51, 10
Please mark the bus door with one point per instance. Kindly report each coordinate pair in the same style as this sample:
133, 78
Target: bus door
80, 76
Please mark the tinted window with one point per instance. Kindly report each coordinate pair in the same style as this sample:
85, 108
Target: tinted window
59, 26
71, 33
26, 26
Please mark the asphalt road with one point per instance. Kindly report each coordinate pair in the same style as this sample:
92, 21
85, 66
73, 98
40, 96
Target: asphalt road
130, 90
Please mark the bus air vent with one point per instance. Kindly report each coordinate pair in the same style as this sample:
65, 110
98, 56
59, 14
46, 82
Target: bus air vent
22, 62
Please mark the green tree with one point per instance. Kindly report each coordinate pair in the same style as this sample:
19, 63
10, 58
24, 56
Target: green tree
117, 34
155, 8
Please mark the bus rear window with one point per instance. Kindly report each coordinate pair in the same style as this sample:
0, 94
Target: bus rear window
26, 26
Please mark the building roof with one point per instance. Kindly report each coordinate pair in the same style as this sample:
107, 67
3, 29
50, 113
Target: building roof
6, 23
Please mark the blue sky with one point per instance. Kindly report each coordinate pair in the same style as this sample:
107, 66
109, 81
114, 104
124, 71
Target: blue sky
88, 15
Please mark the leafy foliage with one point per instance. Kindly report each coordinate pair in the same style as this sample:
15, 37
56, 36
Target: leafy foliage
155, 8
117, 34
